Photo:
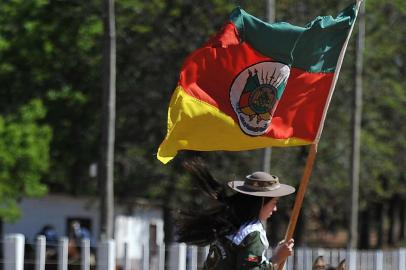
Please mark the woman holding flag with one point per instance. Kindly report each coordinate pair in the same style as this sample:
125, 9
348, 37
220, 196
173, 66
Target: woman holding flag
233, 225
261, 85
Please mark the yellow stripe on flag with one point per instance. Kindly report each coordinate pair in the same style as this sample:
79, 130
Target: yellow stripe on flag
197, 125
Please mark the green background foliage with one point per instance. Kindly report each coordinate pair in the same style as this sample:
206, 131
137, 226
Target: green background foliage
24, 155
51, 80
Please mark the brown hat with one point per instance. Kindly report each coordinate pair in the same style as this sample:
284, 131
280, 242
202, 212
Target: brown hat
261, 184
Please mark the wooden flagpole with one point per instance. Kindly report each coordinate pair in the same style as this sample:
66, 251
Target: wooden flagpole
300, 195
313, 150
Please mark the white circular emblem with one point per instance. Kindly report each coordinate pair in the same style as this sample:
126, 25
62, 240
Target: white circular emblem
255, 94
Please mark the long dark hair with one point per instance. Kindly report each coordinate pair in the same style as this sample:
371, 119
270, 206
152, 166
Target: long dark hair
225, 215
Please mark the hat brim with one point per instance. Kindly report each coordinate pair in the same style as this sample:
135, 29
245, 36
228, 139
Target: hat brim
281, 191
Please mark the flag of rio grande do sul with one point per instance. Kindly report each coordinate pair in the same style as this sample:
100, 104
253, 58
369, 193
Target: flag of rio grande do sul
256, 84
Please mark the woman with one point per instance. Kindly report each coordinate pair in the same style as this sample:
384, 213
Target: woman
233, 225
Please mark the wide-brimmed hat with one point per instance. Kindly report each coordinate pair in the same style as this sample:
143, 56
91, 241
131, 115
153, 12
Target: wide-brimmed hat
261, 184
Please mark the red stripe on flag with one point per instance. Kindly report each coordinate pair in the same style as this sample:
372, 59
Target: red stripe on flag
208, 74
301, 107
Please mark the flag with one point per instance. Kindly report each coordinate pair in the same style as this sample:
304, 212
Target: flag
256, 85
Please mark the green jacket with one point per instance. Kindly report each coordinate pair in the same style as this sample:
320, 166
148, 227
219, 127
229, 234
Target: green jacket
243, 251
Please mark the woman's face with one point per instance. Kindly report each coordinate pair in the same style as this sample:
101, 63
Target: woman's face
267, 209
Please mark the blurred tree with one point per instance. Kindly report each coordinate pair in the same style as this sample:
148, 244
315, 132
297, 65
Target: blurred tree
384, 141
52, 50
24, 157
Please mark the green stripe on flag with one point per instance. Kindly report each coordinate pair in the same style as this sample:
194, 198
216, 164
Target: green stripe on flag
320, 45
313, 48
276, 40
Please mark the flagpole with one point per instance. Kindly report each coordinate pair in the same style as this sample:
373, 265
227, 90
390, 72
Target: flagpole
300, 195
313, 150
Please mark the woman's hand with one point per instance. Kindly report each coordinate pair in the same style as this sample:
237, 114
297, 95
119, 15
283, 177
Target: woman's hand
282, 251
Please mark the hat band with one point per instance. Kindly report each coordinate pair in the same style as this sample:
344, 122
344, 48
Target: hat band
261, 185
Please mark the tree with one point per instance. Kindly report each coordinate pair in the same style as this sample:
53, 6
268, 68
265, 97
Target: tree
50, 50
24, 157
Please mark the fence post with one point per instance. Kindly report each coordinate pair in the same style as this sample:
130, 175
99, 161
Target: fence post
145, 256
177, 257
192, 250
379, 260
289, 262
63, 253
352, 259
126, 258
106, 255
299, 261
40, 252
402, 258
14, 252
308, 258
85, 255
161, 257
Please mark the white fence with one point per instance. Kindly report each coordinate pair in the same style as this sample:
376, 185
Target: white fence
179, 257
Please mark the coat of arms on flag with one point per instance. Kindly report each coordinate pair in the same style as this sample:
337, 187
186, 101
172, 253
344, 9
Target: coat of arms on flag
256, 84
255, 93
